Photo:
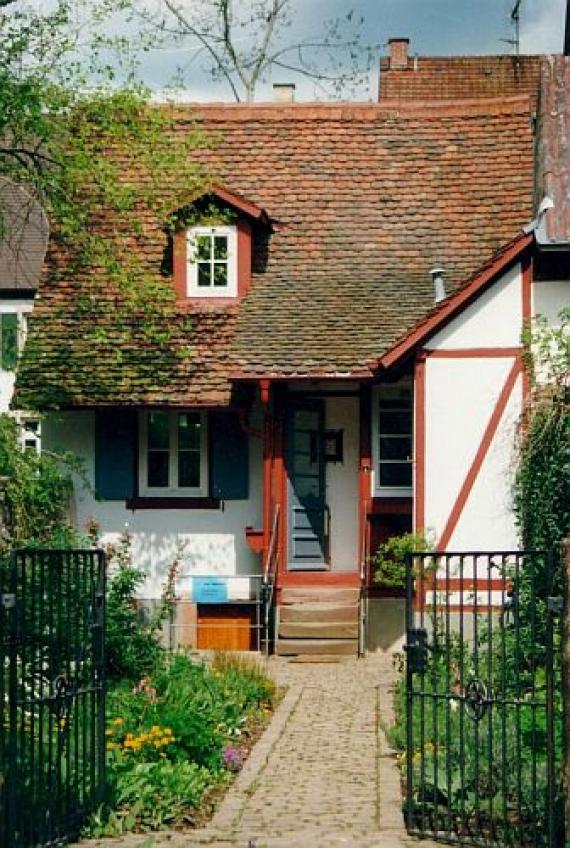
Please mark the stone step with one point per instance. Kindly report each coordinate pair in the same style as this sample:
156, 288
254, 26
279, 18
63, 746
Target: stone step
299, 647
318, 630
319, 612
320, 594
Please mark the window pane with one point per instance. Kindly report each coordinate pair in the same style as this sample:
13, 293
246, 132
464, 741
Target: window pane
9, 329
220, 274
204, 274
158, 431
189, 431
396, 394
396, 422
203, 248
397, 448
189, 469
220, 247
157, 475
396, 474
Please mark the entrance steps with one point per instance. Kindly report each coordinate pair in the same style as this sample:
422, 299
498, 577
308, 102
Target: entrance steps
316, 620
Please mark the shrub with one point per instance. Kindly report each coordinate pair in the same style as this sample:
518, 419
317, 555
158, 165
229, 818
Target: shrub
389, 561
37, 493
133, 646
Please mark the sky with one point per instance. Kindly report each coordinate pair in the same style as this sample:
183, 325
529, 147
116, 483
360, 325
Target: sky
435, 27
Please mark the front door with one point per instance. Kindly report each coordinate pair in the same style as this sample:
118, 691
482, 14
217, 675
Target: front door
307, 538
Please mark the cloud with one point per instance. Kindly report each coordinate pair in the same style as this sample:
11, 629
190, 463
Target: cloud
542, 26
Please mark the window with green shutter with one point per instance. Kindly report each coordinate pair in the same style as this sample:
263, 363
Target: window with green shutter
9, 340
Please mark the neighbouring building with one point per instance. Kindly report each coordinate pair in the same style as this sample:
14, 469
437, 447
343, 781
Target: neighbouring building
356, 363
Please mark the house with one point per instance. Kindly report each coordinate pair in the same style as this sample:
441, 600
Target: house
354, 313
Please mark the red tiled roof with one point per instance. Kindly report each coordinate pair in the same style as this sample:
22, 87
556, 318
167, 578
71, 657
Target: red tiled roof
465, 294
460, 77
366, 199
553, 150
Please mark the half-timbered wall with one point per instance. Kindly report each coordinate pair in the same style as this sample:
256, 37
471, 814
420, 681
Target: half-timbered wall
469, 393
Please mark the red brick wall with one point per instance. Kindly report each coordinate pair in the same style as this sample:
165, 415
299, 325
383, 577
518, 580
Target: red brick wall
459, 77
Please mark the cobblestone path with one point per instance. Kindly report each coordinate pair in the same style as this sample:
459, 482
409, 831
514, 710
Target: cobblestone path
322, 775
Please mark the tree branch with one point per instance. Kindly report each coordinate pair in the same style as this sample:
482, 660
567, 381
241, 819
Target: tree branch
192, 30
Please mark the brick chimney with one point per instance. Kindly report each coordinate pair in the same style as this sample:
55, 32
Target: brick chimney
398, 48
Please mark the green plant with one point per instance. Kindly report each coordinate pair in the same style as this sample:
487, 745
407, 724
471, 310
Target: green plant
133, 646
175, 734
542, 483
389, 561
37, 492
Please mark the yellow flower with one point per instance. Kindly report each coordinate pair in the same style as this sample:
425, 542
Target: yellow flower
118, 721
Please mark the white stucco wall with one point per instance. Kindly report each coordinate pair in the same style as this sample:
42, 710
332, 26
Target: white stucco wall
21, 308
493, 320
211, 541
550, 297
460, 396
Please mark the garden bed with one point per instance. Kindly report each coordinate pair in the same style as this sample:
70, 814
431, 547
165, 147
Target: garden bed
177, 738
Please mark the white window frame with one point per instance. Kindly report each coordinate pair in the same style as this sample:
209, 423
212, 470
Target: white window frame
388, 491
31, 436
193, 289
173, 491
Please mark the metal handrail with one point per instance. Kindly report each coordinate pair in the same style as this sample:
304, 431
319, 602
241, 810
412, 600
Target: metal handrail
269, 573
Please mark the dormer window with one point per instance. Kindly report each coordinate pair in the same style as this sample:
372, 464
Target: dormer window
212, 241
212, 261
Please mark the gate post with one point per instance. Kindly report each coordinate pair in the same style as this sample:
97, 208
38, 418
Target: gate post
566, 680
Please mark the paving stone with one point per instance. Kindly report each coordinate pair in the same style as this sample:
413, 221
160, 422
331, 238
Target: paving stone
323, 774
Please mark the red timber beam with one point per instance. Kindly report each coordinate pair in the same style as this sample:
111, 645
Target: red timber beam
265, 396
364, 478
482, 451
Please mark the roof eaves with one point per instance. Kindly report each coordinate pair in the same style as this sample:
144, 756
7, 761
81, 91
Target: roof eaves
456, 302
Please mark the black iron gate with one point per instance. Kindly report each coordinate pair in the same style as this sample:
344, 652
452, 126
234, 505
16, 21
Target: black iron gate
483, 699
52, 689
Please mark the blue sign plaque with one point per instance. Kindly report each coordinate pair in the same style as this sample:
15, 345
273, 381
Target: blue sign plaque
210, 590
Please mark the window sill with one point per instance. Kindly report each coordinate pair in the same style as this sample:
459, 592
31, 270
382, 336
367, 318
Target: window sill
155, 502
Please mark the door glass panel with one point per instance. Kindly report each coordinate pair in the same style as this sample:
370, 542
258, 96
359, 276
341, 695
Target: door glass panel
306, 419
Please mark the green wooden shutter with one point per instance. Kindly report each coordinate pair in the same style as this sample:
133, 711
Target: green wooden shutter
229, 457
115, 454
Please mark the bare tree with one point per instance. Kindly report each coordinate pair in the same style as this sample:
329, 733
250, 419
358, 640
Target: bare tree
242, 42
